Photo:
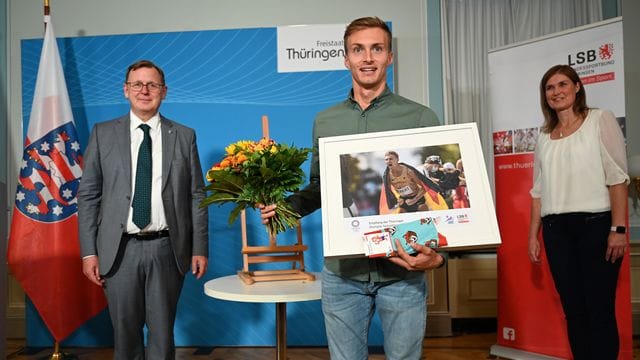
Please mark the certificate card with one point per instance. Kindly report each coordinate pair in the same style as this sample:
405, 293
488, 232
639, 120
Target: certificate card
376, 181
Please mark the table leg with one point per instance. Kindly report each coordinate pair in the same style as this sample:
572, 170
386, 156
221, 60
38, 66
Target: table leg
281, 331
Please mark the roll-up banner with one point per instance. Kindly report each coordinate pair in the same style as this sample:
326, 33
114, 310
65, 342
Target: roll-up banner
530, 318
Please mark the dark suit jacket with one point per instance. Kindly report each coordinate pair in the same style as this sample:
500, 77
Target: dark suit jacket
104, 195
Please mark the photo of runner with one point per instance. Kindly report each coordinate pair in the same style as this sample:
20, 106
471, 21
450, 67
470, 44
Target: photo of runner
403, 180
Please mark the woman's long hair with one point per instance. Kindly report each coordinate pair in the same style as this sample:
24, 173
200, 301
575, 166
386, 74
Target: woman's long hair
579, 106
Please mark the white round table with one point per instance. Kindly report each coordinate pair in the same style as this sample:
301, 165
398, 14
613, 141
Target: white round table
279, 292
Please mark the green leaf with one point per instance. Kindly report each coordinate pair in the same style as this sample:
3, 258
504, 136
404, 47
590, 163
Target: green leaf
235, 213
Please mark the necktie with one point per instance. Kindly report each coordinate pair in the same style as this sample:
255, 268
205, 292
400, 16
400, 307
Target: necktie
142, 193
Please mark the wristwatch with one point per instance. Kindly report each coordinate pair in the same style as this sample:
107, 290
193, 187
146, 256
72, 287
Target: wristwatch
619, 229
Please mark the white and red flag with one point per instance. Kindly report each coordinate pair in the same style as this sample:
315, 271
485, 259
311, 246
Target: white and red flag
44, 251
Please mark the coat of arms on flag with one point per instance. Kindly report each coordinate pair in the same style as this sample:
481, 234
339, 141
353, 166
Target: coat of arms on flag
49, 176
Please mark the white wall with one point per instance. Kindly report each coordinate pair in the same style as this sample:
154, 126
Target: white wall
3, 176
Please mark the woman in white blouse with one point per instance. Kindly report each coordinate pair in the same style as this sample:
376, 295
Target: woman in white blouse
579, 200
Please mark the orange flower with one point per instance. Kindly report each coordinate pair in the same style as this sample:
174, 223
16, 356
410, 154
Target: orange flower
241, 158
209, 174
225, 163
216, 167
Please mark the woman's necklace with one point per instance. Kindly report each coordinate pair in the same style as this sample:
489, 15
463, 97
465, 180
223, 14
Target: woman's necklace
568, 127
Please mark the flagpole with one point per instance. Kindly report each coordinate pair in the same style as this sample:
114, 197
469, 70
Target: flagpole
57, 355
47, 11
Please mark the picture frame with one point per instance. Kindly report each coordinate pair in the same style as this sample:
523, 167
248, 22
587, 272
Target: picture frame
363, 190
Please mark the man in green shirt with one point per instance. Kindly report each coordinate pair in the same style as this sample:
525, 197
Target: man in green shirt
352, 289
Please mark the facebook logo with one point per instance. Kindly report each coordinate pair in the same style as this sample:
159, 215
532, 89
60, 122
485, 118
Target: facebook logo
508, 333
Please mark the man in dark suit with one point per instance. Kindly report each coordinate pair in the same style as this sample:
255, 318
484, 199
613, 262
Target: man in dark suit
141, 228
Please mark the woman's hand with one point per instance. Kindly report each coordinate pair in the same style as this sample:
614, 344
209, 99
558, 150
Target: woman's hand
534, 250
617, 245
534, 229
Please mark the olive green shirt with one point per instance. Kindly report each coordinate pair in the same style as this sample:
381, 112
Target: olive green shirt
386, 112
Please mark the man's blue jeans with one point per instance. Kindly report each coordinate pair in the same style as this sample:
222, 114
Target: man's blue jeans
349, 305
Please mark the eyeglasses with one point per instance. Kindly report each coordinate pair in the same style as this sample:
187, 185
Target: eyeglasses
151, 86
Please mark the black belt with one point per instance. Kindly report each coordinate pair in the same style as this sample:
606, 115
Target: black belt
147, 235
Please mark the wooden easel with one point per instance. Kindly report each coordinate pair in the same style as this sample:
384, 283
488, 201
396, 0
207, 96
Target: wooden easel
273, 252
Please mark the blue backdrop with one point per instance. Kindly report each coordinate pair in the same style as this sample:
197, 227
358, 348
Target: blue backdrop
220, 83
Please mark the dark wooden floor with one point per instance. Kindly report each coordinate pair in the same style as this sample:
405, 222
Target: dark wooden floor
461, 347
474, 346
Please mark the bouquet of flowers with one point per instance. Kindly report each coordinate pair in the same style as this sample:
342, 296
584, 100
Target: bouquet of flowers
260, 172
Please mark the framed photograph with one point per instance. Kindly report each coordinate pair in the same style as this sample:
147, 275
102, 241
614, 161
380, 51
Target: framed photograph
375, 182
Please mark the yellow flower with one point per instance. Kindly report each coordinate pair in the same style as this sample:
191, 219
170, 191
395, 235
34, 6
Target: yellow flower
266, 141
230, 150
244, 144
238, 146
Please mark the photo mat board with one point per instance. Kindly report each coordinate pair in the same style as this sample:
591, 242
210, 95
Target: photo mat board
359, 196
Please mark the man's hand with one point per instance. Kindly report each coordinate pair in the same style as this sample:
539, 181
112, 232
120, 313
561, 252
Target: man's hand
198, 266
91, 270
426, 258
266, 212
415, 198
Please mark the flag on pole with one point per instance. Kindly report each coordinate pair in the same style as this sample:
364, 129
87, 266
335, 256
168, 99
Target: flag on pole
44, 251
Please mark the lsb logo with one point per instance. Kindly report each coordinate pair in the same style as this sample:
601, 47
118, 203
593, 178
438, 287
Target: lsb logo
582, 57
604, 52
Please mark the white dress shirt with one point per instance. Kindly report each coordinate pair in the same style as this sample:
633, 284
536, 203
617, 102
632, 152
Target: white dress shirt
158, 220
